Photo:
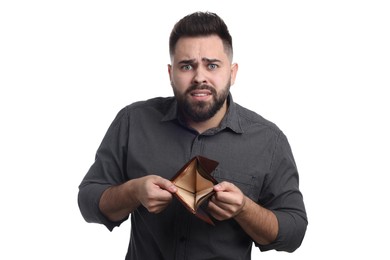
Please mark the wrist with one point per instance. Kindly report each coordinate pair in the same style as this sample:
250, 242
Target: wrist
132, 192
244, 207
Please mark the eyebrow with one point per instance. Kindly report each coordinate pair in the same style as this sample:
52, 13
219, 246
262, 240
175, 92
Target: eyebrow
211, 60
193, 61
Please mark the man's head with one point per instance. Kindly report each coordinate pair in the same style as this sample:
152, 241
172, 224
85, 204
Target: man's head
201, 72
201, 24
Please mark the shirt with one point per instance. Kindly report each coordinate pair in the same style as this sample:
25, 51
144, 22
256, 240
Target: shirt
149, 137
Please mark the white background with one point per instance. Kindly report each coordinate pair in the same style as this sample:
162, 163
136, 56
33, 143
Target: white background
319, 69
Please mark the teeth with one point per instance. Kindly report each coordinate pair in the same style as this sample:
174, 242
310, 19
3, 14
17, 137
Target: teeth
200, 95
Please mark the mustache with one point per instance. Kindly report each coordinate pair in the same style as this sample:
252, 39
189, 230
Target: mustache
200, 87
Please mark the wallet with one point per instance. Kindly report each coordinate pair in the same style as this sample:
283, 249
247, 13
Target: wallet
195, 185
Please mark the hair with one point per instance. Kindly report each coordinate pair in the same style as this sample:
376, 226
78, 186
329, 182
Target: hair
201, 24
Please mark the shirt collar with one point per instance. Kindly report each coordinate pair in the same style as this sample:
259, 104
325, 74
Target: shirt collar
231, 119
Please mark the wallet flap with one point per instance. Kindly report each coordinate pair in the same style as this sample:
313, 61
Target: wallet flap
186, 179
207, 166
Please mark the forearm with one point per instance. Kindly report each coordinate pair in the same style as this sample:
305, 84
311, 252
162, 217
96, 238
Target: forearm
152, 191
117, 202
259, 223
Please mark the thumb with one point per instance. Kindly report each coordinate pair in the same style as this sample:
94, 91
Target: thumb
224, 186
166, 185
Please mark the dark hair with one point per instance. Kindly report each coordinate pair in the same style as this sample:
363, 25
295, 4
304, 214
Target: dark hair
201, 24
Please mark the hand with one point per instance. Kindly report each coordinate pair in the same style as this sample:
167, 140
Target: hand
227, 202
154, 192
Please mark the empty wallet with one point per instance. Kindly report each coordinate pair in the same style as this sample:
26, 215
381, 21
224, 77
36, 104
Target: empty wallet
195, 185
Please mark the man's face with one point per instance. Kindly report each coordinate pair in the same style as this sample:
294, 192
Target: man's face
201, 74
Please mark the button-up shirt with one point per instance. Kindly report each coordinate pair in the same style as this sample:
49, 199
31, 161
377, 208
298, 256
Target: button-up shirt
149, 137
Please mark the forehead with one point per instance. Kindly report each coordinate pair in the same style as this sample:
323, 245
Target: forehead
199, 48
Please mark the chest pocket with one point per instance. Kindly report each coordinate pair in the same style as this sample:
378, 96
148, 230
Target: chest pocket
249, 184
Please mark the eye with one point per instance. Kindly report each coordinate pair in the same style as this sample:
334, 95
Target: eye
186, 67
212, 66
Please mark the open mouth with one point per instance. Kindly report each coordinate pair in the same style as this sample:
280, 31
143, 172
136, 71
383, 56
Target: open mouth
201, 93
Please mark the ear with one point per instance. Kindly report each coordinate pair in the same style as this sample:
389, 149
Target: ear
170, 72
233, 72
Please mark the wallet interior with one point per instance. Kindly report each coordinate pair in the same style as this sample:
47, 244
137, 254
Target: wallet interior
192, 186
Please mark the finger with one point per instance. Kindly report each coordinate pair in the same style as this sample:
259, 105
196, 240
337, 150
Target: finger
165, 185
224, 210
225, 195
225, 186
157, 207
217, 212
154, 190
230, 199
158, 201
220, 202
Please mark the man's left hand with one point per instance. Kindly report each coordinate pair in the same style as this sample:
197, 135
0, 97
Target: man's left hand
227, 202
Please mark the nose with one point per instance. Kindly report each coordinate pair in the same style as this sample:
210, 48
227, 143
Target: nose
199, 77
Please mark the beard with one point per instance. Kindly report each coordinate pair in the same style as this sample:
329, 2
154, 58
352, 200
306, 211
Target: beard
200, 111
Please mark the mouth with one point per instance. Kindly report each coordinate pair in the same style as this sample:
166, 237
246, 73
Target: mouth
201, 94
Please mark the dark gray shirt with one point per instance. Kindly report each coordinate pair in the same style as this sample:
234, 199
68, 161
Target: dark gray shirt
149, 138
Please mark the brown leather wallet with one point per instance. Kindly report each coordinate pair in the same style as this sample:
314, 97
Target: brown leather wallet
195, 185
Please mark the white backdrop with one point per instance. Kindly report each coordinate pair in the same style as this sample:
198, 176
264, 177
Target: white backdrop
318, 69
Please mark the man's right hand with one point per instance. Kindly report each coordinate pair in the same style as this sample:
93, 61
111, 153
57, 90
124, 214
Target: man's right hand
154, 192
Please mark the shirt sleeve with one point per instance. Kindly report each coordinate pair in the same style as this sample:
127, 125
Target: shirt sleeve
108, 169
281, 194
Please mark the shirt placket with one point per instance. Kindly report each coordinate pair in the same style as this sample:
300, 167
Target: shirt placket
184, 221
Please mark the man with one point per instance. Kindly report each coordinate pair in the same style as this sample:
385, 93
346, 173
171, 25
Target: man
257, 198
